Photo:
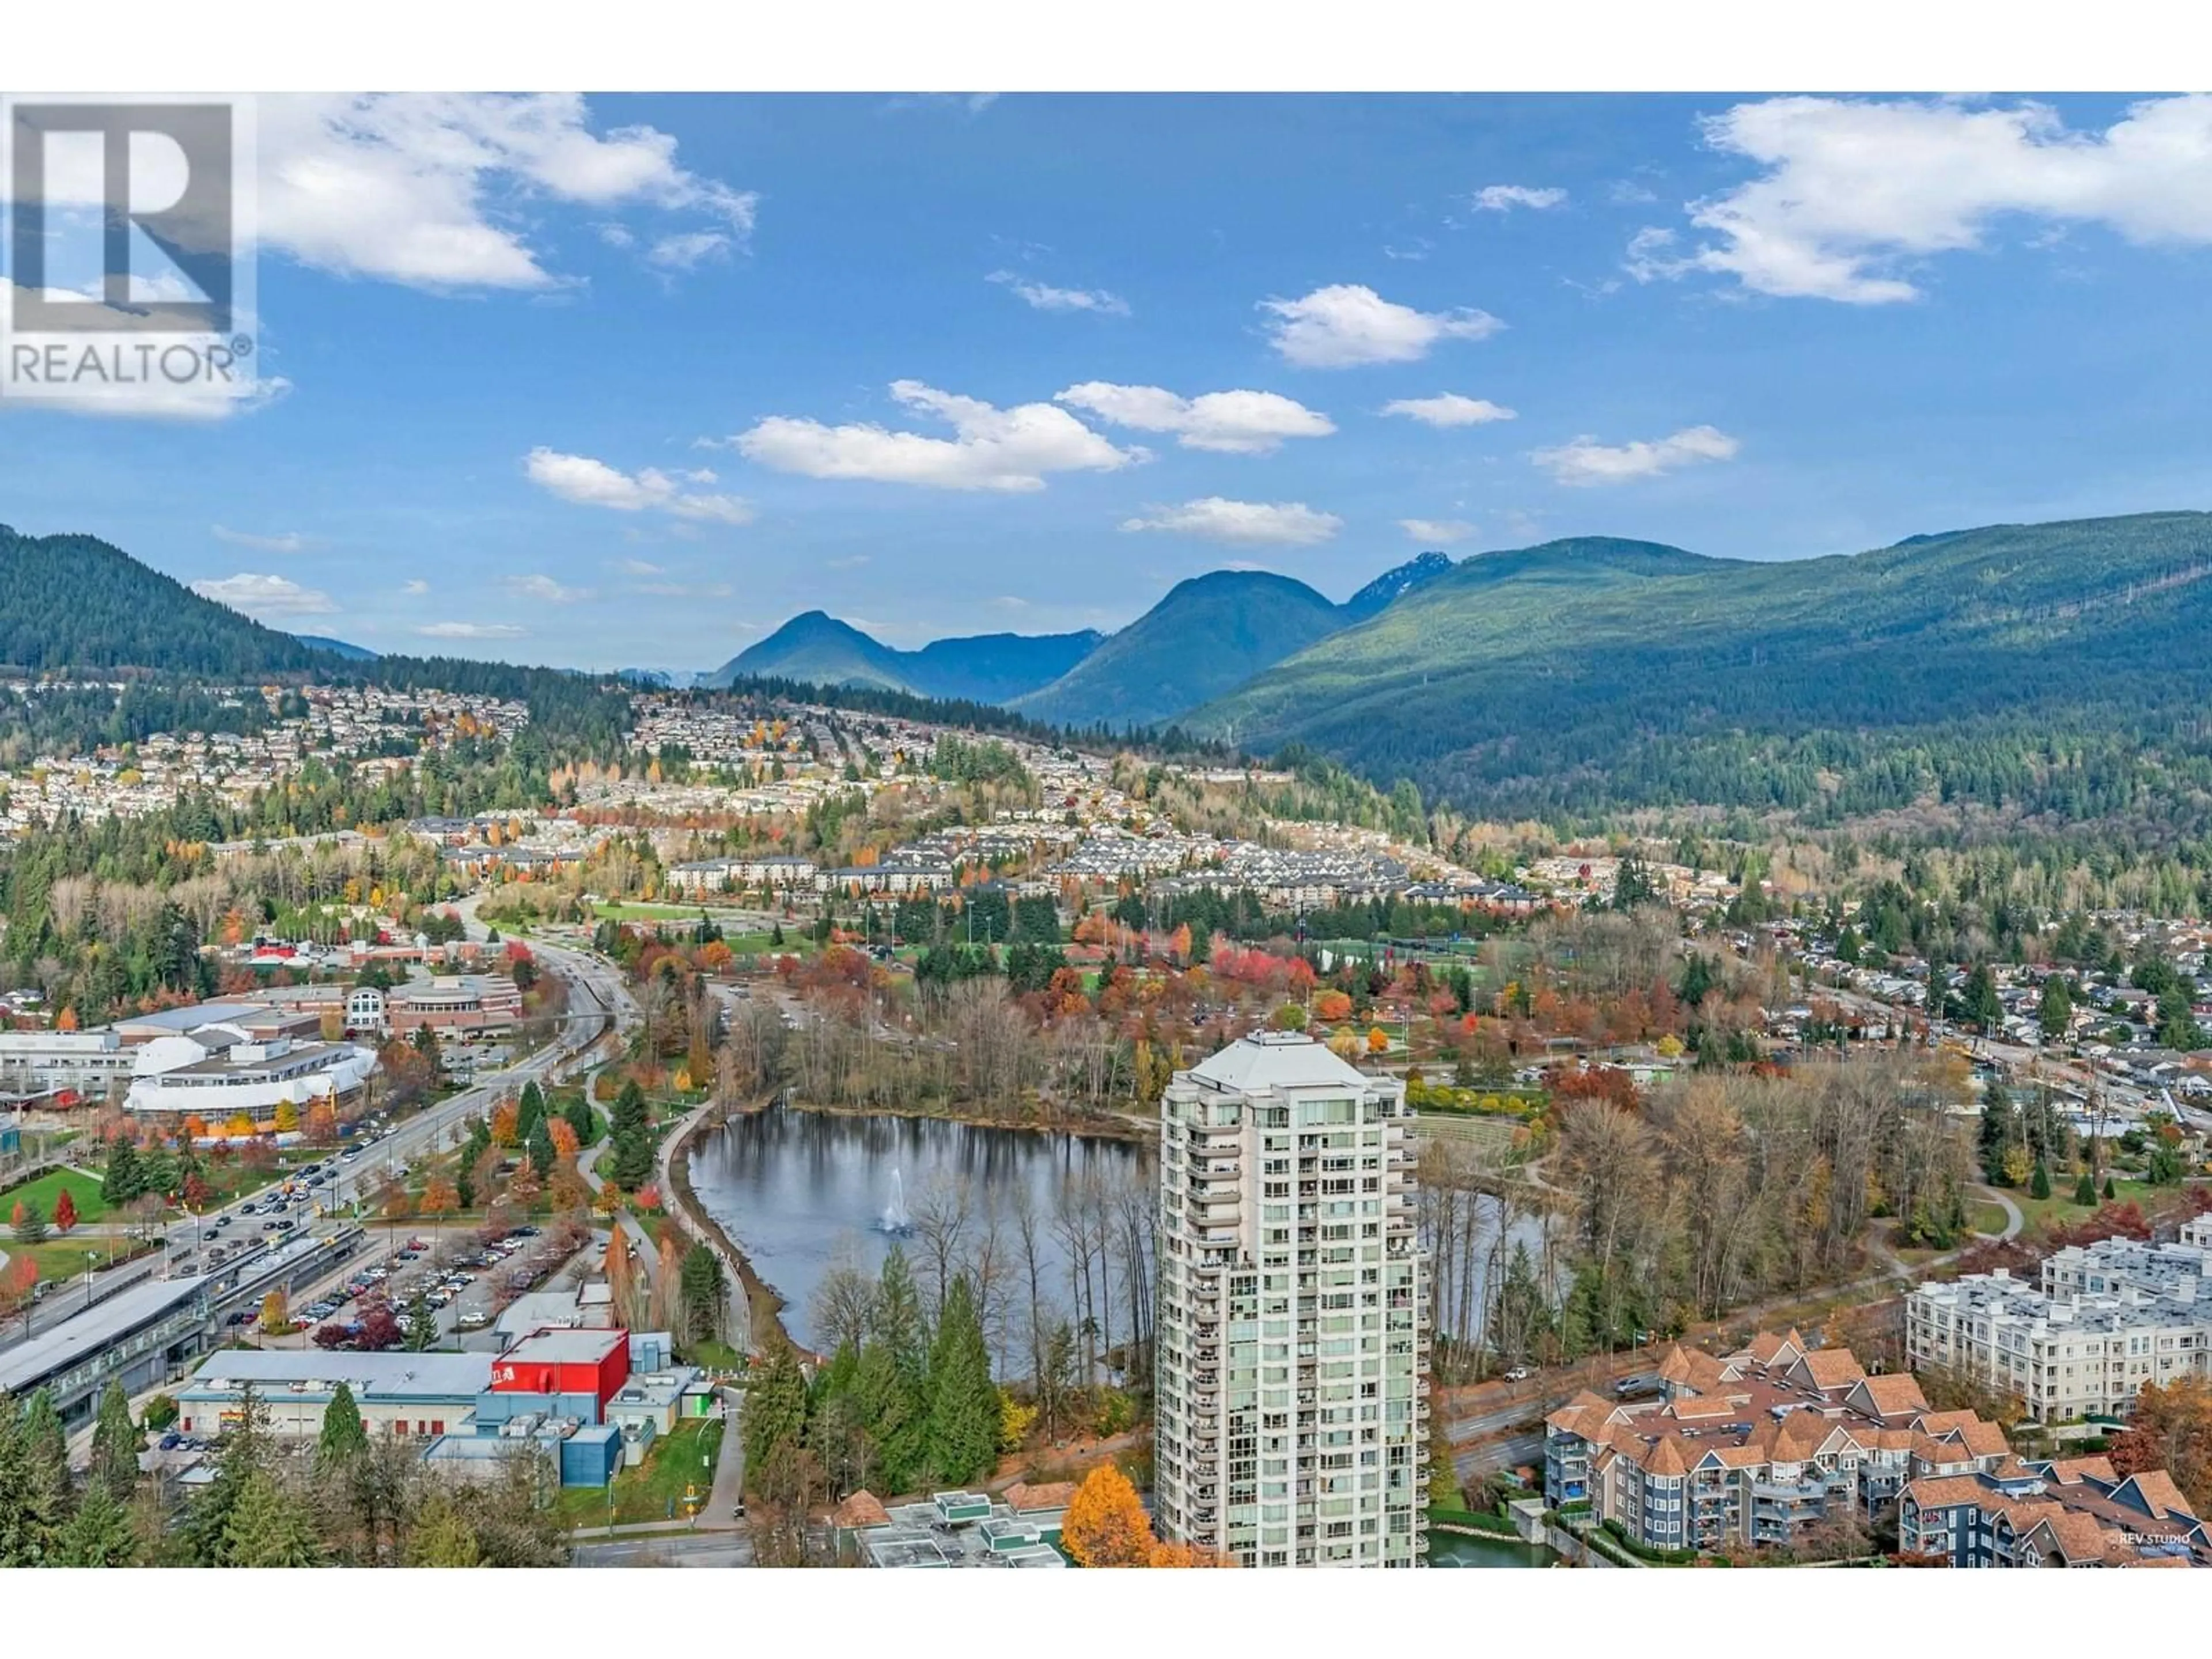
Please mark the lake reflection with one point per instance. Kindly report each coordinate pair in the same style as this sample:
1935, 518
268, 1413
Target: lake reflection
798, 1189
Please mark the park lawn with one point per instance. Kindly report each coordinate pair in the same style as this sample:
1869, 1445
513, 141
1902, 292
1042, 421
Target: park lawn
673, 1467
1987, 1219
2060, 1205
633, 911
61, 1259
47, 1190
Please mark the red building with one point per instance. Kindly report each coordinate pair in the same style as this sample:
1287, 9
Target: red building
565, 1362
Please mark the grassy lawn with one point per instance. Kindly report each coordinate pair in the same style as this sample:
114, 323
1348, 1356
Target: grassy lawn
673, 1466
638, 912
1986, 1218
64, 1258
2061, 1206
715, 1356
83, 1191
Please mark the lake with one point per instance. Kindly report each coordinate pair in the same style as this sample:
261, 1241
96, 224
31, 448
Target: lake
801, 1191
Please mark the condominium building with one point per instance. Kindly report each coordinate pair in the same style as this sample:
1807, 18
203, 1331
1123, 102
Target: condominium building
2066, 1512
1293, 1343
1756, 1449
2109, 1317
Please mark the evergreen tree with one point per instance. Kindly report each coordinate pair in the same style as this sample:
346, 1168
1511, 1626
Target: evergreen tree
2109, 1193
344, 1437
2040, 1186
116, 1443
245, 1456
962, 1434
887, 1406
776, 1407
267, 1528
2055, 1012
34, 1481
530, 1111
421, 1326
1999, 1132
578, 1111
701, 1283
99, 1533
2085, 1190
30, 1223
122, 1180
540, 1146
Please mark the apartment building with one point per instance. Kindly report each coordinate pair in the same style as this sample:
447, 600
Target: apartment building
1757, 1448
1293, 1344
2108, 1318
2068, 1512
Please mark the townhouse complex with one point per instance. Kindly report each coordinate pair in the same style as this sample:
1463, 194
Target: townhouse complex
2106, 1318
1293, 1409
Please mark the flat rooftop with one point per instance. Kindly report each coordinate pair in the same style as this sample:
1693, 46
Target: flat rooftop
393, 1375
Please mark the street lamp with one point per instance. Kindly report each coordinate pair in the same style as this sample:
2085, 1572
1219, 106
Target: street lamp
91, 1260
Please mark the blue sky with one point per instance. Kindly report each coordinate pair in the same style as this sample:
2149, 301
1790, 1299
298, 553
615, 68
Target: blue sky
624, 381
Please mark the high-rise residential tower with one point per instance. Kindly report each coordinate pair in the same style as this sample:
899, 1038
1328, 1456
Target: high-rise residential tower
1293, 1338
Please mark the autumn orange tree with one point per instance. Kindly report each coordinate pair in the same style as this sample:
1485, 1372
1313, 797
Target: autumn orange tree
1106, 1526
2171, 1430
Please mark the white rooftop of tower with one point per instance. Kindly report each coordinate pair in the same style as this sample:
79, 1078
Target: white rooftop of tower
1277, 1060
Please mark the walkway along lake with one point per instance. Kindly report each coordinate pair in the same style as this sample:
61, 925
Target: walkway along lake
800, 1191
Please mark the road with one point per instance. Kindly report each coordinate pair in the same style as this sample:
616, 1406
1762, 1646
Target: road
678, 1548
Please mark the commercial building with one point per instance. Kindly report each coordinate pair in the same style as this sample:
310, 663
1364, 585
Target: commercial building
2107, 1318
1755, 1449
218, 1072
419, 1394
1292, 1346
590, 1400
486, 1003
84, 1065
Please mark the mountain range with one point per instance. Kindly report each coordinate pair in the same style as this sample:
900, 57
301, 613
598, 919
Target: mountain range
1204, 638
2055, 669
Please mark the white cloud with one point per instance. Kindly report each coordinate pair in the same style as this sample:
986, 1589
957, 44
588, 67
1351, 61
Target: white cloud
690, 250
544, 588
1042, 297
1437, 532
1448, 409
1347, 325
416, 588
684, 590
1586, 461
1010, 602
639, 568
1855, 191
156, 401
467, 630
589, 482
434, 189
1237, 423
289, 541
992, 448
1504, 199
264, 597
1243, 524
850, 562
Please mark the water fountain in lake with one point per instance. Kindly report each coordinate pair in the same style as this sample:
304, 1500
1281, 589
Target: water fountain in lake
895, 1219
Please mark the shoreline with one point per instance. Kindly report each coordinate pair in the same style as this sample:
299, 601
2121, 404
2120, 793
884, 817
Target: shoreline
763, 1304
1129, 1131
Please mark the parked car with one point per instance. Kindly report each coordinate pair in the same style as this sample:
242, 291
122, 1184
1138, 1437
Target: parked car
1518, 1374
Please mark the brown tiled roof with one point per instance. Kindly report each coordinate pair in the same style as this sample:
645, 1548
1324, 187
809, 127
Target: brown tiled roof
2079, 1537
1669, 1457
1983, 1439
2067, 1469
1944, 1422
2153, 1491
1946, 1491
1831, 1368
1894, 1393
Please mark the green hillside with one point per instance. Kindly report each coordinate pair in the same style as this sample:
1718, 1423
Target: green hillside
1209, 634
817, 649
2055, 669
73, 602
